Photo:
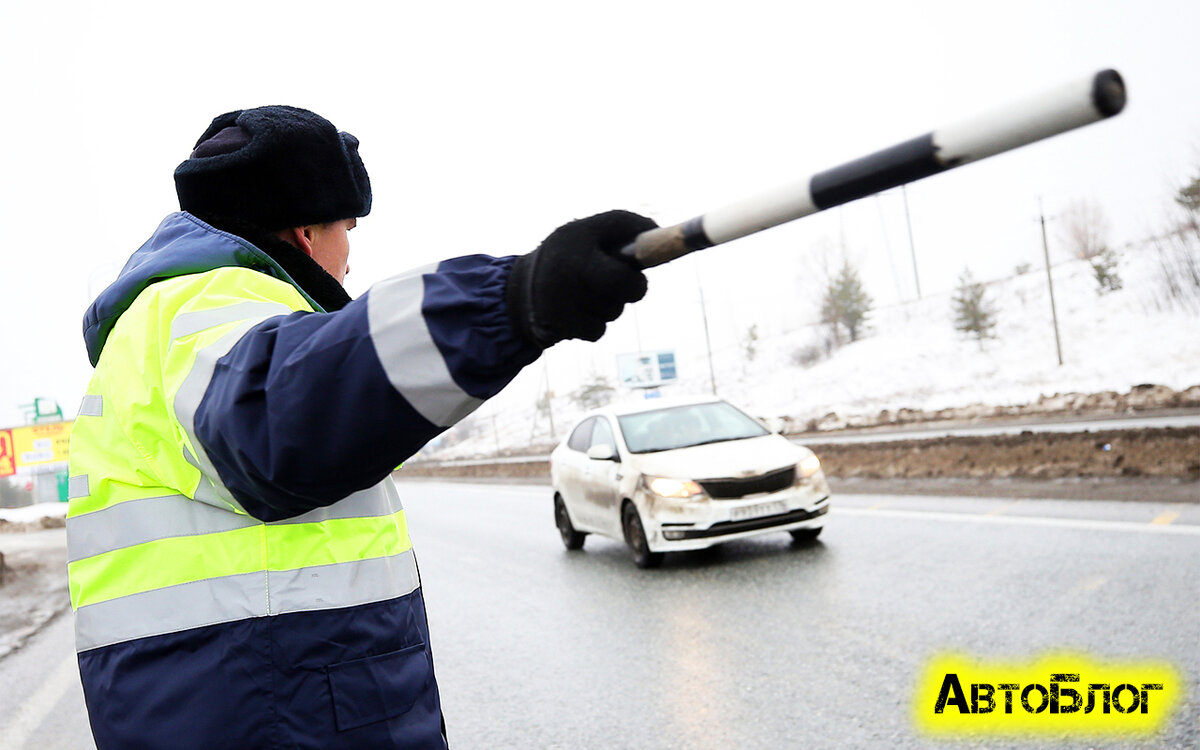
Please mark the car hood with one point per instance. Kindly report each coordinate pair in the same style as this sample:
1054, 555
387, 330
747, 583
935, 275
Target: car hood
732, 458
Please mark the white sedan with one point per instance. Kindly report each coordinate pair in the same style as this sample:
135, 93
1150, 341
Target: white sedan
682, 475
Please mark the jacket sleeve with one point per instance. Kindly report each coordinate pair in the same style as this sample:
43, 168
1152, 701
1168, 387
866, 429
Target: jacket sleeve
307, 408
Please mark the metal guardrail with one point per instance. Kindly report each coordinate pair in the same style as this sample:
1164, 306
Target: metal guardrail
478, 461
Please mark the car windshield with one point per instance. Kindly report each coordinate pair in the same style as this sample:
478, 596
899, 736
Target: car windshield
685, 426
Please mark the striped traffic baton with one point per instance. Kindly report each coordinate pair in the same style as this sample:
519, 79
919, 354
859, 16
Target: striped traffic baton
1058, 110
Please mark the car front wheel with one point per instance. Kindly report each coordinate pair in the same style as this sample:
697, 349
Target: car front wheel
571, 538
635, 536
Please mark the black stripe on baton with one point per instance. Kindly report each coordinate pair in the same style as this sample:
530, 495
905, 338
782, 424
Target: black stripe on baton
694, 236
903, 163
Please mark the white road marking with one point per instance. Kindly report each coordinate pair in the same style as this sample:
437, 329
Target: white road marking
1068, 523
29, 715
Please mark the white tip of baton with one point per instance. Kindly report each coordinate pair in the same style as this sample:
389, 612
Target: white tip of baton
1057, 110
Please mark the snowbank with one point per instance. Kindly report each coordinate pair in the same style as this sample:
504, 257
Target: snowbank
31, 513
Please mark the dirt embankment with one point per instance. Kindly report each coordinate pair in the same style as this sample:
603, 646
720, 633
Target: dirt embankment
1141, 399
1163, 454
1160, 453
48, 522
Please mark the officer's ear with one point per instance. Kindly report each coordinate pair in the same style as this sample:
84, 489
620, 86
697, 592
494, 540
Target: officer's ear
298, 237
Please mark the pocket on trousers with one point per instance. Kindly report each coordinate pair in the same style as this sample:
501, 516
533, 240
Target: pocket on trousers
378, 687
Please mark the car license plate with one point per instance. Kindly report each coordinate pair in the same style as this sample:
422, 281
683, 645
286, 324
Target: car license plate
757, 510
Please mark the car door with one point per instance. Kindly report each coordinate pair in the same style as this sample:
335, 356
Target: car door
571, 465
601, 480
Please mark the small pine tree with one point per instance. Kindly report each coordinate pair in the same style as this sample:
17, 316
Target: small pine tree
750, 343
846, 304
974, 314
1104, 266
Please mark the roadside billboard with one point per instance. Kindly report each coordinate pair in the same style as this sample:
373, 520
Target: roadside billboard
38, 444
8, 455
646, 369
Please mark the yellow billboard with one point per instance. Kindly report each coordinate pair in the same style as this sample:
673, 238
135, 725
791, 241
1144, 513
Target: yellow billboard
39, 444
8, 458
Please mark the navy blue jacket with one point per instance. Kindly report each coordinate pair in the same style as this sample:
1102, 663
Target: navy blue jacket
304, 410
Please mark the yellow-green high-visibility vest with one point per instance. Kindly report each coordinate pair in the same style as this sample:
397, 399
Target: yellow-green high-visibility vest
156, 543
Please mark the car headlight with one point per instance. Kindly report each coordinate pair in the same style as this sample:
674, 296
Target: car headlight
678, 489
809, 466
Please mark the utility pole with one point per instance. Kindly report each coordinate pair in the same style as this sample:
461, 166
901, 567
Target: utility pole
712, 376
1050, 282
911, 247
549, 395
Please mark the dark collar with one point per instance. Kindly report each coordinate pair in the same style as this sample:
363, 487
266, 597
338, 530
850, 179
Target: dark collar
306, 272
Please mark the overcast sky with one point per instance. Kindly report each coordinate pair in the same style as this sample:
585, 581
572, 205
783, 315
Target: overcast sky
486, 125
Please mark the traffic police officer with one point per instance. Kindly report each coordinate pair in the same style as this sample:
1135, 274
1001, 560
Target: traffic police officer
240, 566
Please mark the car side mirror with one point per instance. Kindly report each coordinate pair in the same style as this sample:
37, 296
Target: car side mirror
774, 425
602, 453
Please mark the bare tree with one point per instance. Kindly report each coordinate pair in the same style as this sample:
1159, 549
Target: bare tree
1178, 252
1085, 229
1188, 196
816, 266
594, 393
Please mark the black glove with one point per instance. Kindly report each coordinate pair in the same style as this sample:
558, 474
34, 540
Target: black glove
575, 283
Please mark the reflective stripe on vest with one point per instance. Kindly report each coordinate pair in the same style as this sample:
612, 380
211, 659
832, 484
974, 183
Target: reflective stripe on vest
187, 399
156, 543
92, 406
174, 564
230, 598
150, 519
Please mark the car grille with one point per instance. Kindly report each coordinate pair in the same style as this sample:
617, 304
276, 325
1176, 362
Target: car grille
728, 489
734, 527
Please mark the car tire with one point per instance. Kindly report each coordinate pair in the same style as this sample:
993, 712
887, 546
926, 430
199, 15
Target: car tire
802, 536
635, 537
571, 538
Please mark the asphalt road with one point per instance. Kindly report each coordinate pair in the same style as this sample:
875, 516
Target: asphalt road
41, 702
757, 644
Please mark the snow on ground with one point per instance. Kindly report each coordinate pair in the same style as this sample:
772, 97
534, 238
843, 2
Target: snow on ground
912, 357
33, 512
